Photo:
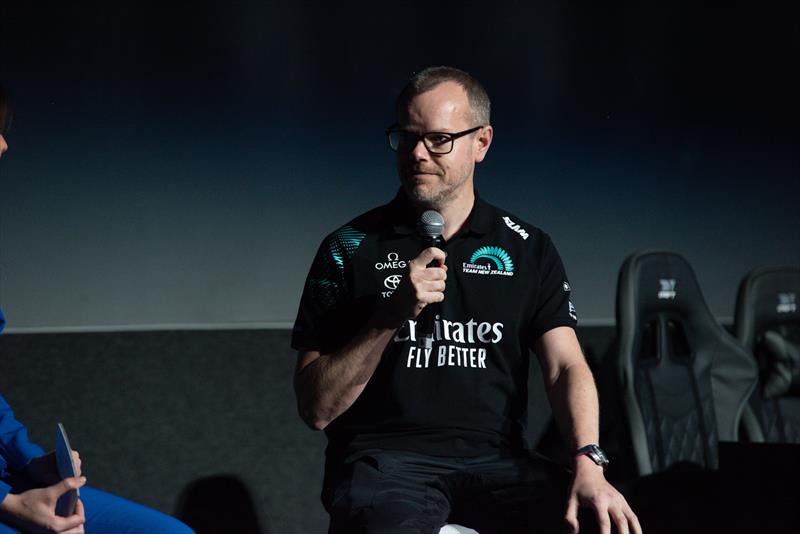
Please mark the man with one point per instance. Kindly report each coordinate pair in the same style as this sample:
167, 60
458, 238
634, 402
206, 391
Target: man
30, 485
419, 435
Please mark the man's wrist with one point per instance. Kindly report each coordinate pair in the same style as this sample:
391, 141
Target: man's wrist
593, 454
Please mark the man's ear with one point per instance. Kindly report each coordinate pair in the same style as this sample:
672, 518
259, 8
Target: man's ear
482, 141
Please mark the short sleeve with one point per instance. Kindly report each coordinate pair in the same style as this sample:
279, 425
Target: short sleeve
327, 291
554, 306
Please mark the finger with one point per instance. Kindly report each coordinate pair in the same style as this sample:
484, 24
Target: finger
79, 509
432, 273
77, 530
76, 460
65, 524
633, 521
71, 483
603, 522
432, 286
620, 521
428, 255
571, 517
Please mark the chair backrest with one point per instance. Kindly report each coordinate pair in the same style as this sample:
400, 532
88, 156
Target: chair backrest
768, 325
684, 379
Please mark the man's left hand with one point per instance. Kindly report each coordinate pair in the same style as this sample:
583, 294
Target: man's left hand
590, 489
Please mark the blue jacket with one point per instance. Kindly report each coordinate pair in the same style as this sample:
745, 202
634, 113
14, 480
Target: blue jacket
16, 450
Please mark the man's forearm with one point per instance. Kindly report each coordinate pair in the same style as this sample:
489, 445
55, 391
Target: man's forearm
573, 398
330, 384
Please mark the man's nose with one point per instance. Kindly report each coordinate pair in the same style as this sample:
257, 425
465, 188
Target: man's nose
3, 145
420, 151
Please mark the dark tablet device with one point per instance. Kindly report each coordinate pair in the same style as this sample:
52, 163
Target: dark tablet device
66, 504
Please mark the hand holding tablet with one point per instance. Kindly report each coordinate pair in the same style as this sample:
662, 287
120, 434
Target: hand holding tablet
66, 504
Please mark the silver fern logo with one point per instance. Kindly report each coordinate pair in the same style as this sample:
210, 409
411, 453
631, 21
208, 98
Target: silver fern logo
490, 260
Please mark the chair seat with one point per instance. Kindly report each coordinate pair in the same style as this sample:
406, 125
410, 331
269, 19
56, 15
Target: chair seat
456, 529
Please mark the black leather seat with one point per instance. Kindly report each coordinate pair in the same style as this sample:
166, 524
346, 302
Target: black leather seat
768, 325
684, 380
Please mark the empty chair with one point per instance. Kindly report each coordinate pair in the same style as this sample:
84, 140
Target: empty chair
684, 380
768, 325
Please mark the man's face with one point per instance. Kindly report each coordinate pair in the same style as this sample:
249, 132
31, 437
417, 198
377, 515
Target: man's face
3, 145
435, 180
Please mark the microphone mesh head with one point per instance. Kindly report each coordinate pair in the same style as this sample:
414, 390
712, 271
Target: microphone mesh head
431, 224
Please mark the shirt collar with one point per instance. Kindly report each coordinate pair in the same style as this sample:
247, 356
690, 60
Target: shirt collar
402, 216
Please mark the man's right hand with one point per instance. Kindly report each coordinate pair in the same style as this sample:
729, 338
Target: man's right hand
327, 385
35, 510
422, 285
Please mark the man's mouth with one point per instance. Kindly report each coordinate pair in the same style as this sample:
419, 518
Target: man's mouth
423, 172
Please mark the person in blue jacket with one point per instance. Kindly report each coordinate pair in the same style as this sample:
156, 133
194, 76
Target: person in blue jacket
30, 485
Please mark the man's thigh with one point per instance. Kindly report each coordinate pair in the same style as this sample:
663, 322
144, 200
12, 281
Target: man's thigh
501, 494
386, 492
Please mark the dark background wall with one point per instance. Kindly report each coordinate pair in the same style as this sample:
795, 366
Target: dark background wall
176, 164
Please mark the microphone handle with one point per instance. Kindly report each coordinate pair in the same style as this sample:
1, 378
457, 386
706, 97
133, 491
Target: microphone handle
428, 314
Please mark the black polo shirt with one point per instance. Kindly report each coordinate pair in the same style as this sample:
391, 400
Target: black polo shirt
467, 395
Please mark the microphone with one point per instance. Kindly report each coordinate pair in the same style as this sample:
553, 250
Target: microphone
430, 227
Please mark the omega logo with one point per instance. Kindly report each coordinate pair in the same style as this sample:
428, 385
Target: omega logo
393, 261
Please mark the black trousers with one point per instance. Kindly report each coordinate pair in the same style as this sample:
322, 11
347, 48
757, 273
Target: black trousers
380, 491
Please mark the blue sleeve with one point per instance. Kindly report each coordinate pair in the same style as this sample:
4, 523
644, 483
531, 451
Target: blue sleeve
16, 450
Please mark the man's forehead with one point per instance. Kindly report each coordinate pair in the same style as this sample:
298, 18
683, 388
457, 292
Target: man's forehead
446, 102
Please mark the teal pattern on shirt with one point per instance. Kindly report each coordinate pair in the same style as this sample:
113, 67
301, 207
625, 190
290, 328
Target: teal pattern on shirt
328, 278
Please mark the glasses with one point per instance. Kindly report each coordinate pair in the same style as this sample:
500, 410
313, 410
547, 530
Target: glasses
436, 142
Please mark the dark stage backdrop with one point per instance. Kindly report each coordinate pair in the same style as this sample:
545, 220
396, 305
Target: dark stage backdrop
178, 164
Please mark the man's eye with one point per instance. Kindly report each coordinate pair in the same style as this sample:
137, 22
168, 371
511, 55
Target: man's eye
438, 140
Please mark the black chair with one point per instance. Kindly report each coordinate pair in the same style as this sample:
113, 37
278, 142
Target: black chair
683, 379
768, 325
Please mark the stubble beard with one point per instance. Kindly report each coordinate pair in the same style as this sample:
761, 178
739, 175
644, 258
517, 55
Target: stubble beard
434, 198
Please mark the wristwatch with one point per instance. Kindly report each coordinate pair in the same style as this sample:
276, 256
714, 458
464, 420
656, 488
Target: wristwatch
595, 453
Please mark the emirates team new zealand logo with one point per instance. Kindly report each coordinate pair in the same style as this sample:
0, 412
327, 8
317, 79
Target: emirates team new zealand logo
490, 260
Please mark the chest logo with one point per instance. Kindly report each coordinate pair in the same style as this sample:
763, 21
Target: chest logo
393, 261
491, 261
391, 282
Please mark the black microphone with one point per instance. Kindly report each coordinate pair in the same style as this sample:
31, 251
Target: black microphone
430, 228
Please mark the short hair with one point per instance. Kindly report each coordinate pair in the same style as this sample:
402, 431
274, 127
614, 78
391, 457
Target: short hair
5, 111
427, 79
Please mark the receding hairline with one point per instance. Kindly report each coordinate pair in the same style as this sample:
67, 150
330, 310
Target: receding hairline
432, 77
468, 111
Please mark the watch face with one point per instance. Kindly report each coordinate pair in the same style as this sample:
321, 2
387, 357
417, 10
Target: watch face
595, 453
599, 456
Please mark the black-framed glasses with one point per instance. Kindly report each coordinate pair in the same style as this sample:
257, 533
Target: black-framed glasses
436, 142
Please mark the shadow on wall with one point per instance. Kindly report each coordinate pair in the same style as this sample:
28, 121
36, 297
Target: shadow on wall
220, 504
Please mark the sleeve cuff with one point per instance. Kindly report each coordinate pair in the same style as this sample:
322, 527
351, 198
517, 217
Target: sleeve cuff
554, 323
